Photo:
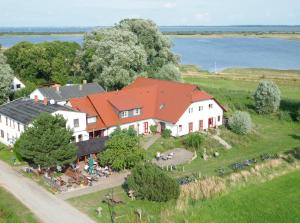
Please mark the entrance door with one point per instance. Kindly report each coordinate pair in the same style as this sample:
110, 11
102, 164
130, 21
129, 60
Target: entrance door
146, 130
200, 125
190, 127
210, 122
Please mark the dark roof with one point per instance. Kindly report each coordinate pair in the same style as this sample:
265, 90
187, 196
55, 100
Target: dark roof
91, 146
70, 91
25, 110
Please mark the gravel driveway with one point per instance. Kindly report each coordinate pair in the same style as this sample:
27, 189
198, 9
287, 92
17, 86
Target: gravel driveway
44, 205
180, 156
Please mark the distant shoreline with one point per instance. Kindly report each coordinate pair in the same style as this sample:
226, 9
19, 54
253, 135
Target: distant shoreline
281, 35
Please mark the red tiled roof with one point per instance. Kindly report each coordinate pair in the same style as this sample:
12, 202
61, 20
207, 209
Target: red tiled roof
159, 99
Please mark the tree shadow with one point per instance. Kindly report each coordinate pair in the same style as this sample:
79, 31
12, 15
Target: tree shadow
291, 106
294, 136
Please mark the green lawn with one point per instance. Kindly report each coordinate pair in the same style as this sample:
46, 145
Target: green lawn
8, 156
273, 201
12, 210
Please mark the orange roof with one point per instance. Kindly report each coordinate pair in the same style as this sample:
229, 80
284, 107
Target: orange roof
159, 99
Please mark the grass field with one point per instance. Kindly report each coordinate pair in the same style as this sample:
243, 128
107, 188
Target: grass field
12, 210
273, 201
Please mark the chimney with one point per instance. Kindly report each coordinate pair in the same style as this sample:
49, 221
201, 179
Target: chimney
45, 101
57, 88
80, 87
36, 99
84, 81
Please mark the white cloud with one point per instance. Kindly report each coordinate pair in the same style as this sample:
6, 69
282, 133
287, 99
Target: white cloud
170, 5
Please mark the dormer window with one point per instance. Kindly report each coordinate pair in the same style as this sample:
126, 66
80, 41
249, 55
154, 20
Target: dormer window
91, 120
124, 114
136, 111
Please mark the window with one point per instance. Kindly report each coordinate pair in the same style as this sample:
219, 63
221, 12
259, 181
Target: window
6, 119
124, 114
80, 138
190, 110
136, 111
76, 123
7, 137
200, 108
91, 120
210, 106
14, 125
180, 128
219, 118
18, 86
18, 126
2, 134
0, 119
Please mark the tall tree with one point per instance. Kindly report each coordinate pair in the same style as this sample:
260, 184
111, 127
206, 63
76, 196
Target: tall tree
43, 62
267, 97
6, 78
47, 142
134, 47
112, 57
157, 45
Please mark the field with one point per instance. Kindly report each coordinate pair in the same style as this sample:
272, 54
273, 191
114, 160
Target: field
12, 210
272, 134
273, 201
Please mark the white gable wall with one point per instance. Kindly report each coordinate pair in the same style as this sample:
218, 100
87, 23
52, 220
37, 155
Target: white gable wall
193, 115
16, 84
38, 94
70, 116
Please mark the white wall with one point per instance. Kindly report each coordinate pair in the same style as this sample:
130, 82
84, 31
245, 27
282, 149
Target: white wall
69, 116
138, 126
15, 83
10, 130
37, 93
195, 116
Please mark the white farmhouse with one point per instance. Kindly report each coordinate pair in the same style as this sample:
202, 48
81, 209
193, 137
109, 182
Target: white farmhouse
17, 84
182, 108
17, 115
62, 94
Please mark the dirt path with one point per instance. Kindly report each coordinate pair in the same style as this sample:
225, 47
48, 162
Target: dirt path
44, 205
150, 141
112, 181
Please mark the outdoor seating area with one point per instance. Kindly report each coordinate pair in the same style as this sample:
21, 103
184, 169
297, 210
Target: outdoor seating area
175, 156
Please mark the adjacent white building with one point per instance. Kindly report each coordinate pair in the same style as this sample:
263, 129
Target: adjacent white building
17, 84
17, 115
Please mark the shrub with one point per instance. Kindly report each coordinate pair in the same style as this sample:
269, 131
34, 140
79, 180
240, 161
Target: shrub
285, 116
297, 152
240, 122
194, 140
122, 150
150, 182
267, 97
298, 115
153, 129
166, 133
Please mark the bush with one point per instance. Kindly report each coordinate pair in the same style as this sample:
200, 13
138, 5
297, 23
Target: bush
166, 133
297, 153
267, 97
285, 116
149, 182
153, 129
122, 150
298, 115
194, 140
240, 122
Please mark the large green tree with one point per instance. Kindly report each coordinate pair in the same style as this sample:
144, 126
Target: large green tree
157, 45
43, 62
6, 78
47, 142
267, 97
122, 150
115, 56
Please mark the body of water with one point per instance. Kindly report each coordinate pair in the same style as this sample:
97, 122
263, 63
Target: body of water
211, 53
203, 29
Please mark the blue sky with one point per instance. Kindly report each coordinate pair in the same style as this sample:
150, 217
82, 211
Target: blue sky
163, 12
